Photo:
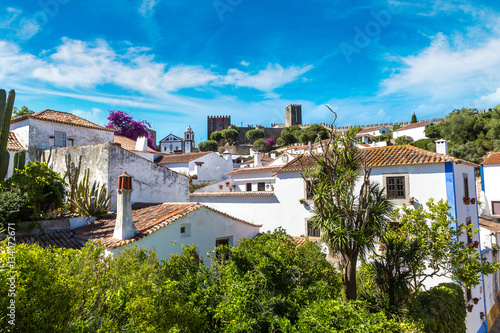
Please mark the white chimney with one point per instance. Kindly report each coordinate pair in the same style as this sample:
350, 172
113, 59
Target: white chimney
442, 146
226, 154
141, 144
257, 160
124, 226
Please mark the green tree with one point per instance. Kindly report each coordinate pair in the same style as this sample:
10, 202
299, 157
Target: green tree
424, 244
209, 145
255, 134
470, 151
16, 113
216, 136
413, 118
462, 126
350, 221
433, 132
290, 134
396, 127
230, 135
261, 145
402, 140
280, 141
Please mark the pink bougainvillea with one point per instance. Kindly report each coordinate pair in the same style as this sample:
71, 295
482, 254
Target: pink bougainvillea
271, 142
127, 126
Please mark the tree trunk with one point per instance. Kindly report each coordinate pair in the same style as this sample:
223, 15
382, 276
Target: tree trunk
350, 286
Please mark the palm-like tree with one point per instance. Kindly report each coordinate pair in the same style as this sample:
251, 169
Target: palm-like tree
350, 212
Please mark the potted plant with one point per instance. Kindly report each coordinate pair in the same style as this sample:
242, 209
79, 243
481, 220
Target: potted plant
411, 201
227, 184
473, 201
221, 186
475, 244
466, 200
469, 307
475, 300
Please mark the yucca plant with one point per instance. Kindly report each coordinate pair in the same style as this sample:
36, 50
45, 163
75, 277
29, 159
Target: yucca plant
91, 200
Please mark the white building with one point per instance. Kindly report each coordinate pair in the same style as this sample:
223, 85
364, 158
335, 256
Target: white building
174, 144
206, 166
415, 131
374, 130
54, 129
13, 147
490, 185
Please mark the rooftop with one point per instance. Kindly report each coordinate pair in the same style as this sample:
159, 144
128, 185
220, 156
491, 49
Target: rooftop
414, 125
490, 223
382, 156
148, 218
233, 194
59, 239
62, 118
239, 171
128, 143
493, 158
370, 129
13, 144
180, 158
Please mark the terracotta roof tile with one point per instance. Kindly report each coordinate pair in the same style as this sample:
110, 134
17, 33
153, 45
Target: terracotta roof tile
62, 118
382, 156
60, 239
491, 224
128, 143
302, 240
180, 158
369, 129
271, 168
233, 194
13, 144
414, 125
148, 218
493, 158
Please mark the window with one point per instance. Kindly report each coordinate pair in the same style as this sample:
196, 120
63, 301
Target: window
221, 255
495, 207
185, 230
60, 139
249, 187
466, 185
396, 187
312, 231
309, 190
261, 186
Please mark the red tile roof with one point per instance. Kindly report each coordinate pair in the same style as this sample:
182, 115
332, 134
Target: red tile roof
302, 240
148, 218
271, 168
414, 125
13, 144
233, 194
59, 239
490, 224
62, 118
128, 143
180, 158
369, 129
382, 156
493, 158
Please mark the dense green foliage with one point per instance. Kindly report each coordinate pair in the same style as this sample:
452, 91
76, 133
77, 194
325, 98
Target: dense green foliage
261, 145
471, 134
255, 134
216, 136
294, 134
268, 285
402, 140
387, 137
209, 145
441, 309
413, 118
91, 200
13, 207
433, 132
230, 135
16, 113
427, 144
43, 189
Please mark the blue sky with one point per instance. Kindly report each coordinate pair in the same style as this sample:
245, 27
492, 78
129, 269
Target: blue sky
173, 63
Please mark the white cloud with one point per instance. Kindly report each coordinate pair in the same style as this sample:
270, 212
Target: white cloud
244, 63
146, 8
77, 64
94, 115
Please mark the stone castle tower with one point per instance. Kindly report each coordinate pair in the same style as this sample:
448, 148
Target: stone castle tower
293, 115
217, 123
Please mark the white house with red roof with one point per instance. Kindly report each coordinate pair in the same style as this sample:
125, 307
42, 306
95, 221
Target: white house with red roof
53, 129
415, 131
490, 185
374, 130
13, 147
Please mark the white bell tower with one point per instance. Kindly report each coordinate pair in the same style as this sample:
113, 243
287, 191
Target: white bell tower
188, 140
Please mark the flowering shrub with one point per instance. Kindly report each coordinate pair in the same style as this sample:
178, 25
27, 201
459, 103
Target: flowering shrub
127, 126
271, 142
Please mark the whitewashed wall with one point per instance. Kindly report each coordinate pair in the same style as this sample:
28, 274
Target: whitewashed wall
416, 133
212, 160
31, 132
206, 174
491, 178
205, 226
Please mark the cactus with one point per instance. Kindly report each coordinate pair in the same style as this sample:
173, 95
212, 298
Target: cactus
6, 105
19, 161
72, 173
